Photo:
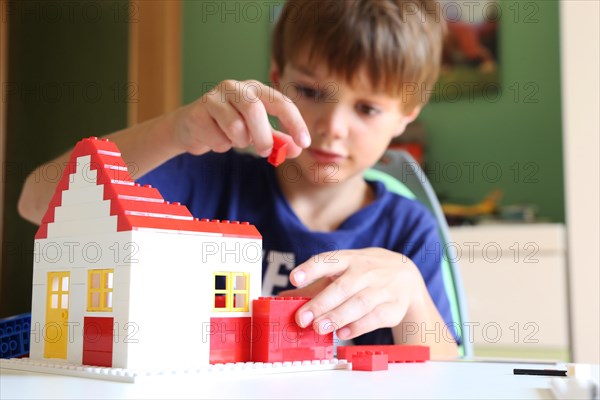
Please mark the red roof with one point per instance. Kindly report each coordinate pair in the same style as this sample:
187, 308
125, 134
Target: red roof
136, 206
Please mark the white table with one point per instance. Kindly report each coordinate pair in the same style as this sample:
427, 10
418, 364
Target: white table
433, 379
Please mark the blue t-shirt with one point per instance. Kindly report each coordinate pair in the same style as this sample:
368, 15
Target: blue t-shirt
242, 187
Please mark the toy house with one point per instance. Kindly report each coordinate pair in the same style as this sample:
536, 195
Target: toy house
124, 279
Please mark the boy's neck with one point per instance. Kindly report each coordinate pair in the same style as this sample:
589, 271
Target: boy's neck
325, 207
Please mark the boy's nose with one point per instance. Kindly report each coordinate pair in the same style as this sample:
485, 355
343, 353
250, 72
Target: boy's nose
333, 121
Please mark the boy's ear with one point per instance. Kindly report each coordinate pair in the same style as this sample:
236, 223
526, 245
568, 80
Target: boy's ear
407, 119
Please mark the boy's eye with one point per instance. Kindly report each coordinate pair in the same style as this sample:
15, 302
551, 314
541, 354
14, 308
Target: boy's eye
308, 92
367, 109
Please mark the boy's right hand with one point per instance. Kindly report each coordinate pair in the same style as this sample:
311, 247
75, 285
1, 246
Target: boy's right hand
234, 114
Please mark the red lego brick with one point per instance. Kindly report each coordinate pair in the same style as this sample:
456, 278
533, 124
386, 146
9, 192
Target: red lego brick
93, 145
111, 176
167, 210
279, 151
49, 216
69, 168
176, 217
56, 199
132, 192
204, 226
395, 352
109, 172
107, 161
149, 209
97, 358
277, 308
131, 222
230, 340
239, 229
63, 184
98, 334
370, 361
98, 341
277, 338
128, 207
42, 232
224, 228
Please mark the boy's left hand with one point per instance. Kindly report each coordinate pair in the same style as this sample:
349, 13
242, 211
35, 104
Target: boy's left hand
356, 291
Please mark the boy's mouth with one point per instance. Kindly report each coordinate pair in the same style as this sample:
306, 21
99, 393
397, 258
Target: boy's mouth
323, 156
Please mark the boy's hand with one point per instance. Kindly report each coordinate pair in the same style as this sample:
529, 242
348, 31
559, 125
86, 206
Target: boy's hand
235, 114
356, 291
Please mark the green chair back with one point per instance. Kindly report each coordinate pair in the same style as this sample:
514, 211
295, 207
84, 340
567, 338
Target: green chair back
450, 269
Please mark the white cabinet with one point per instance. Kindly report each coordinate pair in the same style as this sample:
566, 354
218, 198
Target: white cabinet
516, 287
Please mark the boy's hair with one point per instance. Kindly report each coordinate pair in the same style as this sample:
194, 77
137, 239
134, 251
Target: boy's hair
397, 43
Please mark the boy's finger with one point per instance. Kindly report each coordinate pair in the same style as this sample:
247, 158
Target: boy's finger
230, 123
353, 309
367, 323
254, 115
208, 135
213, 137
284, 108
331, 263
309, 291
341, 290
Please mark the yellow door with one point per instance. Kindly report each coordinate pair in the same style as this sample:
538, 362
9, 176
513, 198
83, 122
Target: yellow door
56, 333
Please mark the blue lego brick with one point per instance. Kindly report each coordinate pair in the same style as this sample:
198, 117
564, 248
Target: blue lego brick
14, 336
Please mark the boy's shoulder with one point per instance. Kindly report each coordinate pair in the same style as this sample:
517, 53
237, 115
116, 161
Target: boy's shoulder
394, 220
402, 205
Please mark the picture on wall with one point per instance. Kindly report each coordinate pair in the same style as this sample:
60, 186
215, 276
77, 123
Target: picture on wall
470, 62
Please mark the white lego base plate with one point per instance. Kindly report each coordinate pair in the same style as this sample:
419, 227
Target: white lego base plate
129, 375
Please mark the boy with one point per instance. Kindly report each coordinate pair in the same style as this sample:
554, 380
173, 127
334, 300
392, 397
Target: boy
367, 257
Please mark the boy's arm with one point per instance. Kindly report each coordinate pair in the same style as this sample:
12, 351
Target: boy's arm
147, 145
233, 114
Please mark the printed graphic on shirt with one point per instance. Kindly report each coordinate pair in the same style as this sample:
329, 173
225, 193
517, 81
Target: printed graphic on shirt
277, 275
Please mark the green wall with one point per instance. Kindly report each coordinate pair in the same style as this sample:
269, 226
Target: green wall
512, 141
67, 78
224, 40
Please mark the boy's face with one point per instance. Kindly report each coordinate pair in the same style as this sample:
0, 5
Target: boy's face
350, 125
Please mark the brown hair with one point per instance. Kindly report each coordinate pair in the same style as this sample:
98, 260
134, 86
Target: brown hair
396, 42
